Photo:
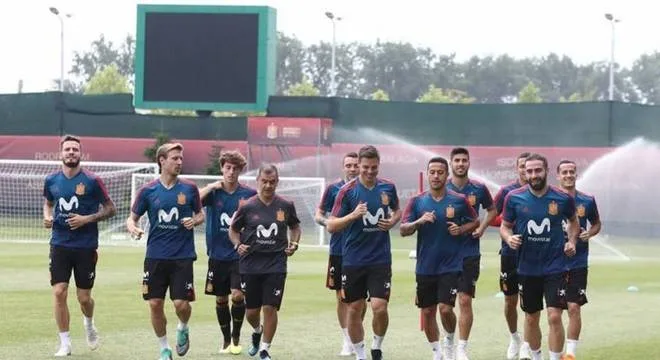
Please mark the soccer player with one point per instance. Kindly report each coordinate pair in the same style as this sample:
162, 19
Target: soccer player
333, 278
576, 292
444, 222
366, 208
538, 211
75, 201
221, 199
477, 195
174, 209
259, 234
509, 272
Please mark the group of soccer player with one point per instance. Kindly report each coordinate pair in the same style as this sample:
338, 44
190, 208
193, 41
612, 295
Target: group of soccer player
250, 233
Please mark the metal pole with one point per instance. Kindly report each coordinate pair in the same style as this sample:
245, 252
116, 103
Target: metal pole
61, 53
333, 84
611, 87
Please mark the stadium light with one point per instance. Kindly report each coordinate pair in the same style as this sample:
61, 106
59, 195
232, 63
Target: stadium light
613, 20
333, 69
56, 12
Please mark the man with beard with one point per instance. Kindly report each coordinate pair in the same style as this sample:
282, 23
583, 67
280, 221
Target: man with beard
508, 269
444, 222
221, 199
538, 211
259, 234
366, 208
477, 195
75, 201
333, 278
587, 213
174, 209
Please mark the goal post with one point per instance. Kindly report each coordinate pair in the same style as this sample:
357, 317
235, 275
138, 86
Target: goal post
21, 191
305, 192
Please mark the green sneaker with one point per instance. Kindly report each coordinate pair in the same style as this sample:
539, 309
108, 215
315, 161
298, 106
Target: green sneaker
182, 342
165, 354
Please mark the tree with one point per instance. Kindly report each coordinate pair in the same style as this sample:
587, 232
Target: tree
160, 139
379, 95
438, 95
290, 58
645, 74
213, 166
107, 81
529, 94
103, 53
303, 88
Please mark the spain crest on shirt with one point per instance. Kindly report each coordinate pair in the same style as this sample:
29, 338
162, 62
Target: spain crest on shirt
553, 208
581, 211
472, 199
384, 198
449, 213
280, 215
181, 199
80, 189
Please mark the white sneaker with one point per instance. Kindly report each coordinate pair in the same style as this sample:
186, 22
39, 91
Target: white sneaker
438, 355
461, 355
346, 350
514, 348
525, 352
448, 349
92, 337
64, 350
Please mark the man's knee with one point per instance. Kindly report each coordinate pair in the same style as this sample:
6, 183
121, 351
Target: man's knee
464, 301
378, 306
181, 305
156, 305
573, 310
221, 301
237, 298
84, 297
60, 291
554, 316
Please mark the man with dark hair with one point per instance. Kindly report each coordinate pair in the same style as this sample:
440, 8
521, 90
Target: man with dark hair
221, 200
589, 219
75, 201
443, 220
508, 269
365, 210
334, 274
259, 234
477, 195
532, 223
174, 209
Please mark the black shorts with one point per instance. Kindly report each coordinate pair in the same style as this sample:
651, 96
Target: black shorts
263, 289
576, 291
64, 260
534, 288
363, 282
222, 277
177, 275
436, 289
467, 281
333, 277
509, 275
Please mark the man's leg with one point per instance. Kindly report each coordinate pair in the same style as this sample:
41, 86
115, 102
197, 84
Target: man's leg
576, 297
531, 294
155, 282
237, 317
182, 293
379, 285
556, 335
333, 282
555, 297
85, 274
509, 287
60, 267
467, 284
273, 293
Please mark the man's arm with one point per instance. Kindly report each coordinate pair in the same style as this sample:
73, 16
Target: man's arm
132, 226
573, 229
506, 232
319, 217
234, 237
490, 216
48, 214
106, 211
337, 224
295, 232
593, 230
199, 217
206, 190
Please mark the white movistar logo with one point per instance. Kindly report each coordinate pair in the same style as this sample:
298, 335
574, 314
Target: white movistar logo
373, 219
266, 233
68, 205
535, 229
225, 220
167, 216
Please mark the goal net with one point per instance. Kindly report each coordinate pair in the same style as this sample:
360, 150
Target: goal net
21, 191
305, 192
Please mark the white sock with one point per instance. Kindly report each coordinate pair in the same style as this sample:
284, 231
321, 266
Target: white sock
347, 339
64, 338
163, 342
555, 356
571, 346
450, 338
259, 329
435, 346
264, 346
360, 352
88, 321
462, 345
537, 355
182, 326
378, 342
515, 336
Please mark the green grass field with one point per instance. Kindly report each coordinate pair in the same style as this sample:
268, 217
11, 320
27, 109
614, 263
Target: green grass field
617, 323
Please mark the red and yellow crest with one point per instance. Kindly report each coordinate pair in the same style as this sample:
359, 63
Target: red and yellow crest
384, 198
449, 213
80, 189
472, 199
581, 211
181, 199
553, 208
280, 215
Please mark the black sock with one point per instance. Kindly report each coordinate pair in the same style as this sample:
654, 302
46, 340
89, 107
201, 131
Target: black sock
224, 319
237, 316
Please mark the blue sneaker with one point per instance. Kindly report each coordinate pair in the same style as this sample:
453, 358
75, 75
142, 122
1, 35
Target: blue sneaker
254, 346
182, 342
165, 354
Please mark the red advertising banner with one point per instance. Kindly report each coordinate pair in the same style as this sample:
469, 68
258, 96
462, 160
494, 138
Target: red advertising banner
289, 131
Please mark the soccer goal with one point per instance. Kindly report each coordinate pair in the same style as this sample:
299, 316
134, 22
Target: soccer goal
21, 191
305, 192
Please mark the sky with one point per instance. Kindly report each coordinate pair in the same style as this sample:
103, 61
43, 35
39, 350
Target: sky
30, 34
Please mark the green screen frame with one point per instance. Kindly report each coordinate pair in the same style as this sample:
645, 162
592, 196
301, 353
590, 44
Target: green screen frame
266, 62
